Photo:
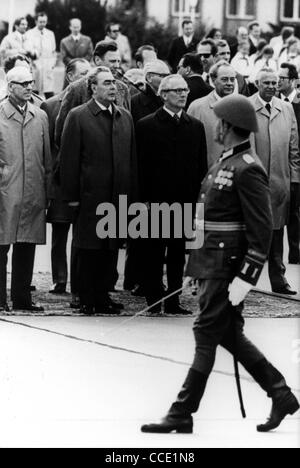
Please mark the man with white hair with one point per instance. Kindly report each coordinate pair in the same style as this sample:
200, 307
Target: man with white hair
172, 163
148, 101
277, 145
76, 45
25, 182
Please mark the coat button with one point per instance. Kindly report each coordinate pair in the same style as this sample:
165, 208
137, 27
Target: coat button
221, 245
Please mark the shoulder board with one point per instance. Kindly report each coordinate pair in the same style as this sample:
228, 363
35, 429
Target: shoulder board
248, 159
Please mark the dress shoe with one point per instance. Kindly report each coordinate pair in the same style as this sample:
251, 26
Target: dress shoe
283, 404
87, 310
287, 290
60, 288
128, 286
170, 424
29, 308
294, 261
75, 304
177, 310
115, 305
4, 308
107, 310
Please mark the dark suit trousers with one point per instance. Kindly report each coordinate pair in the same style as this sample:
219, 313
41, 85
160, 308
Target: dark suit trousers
96, 272
276, 266
59, 262
219, 323
22, 271
157, 251
293, 229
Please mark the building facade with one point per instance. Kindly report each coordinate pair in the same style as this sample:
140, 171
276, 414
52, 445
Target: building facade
226, 14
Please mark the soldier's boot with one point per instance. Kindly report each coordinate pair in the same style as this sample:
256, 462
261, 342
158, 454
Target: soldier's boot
284, 401
179, 417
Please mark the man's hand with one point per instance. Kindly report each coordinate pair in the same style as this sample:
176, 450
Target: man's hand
238, 290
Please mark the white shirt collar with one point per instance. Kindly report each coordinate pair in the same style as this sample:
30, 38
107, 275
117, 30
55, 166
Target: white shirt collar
103, 107
76, 38
173, 113
218, 98
187, 40
264, 103
254, 40
290, 97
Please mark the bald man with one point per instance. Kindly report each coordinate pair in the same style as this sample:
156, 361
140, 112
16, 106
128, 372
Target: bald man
76, 45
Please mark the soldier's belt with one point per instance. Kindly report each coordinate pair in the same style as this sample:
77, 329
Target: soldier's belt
224, 226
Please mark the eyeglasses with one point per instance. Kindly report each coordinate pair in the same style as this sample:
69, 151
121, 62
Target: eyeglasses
283, 78
24, 84
115, 30
178, 91
205, 55
270, 83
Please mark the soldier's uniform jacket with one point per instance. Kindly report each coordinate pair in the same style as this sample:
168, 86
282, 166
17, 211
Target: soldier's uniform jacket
237, 219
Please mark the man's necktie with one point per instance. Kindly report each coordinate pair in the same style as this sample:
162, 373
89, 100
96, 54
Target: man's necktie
176, 119
268, 107
287, 99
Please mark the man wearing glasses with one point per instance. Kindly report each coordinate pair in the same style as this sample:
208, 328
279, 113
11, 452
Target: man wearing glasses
206, 51
172, 164
143, 104
25, 181
277, 145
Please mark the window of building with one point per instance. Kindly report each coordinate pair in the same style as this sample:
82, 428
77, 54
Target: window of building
183, 8
243, 9
290, 10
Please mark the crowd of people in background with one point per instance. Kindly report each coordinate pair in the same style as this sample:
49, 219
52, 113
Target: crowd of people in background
153, 123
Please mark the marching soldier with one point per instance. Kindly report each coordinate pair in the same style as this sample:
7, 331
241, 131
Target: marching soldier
237, 238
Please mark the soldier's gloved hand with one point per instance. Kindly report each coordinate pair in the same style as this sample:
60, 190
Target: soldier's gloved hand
238, 290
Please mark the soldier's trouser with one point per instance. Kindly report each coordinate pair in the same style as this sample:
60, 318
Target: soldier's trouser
219, 323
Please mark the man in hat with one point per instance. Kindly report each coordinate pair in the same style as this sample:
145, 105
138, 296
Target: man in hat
237, 237
25, 178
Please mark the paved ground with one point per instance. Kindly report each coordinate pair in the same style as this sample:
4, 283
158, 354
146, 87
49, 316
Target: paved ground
87, 382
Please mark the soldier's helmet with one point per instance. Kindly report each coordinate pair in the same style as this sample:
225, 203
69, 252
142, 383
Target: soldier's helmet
238, 111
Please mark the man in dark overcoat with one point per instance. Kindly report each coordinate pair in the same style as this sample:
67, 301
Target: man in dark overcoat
105, 54
98, 164
172, 163
182, 44
288, 76
59, 214
237, 238
142, 104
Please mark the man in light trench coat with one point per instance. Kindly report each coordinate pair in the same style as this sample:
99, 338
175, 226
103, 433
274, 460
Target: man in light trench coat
25, 177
